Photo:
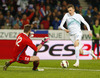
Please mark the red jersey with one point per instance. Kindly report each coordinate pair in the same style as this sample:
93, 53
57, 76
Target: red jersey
27, 21
46, 24
22, 42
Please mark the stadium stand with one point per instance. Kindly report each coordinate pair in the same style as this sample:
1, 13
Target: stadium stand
43, 14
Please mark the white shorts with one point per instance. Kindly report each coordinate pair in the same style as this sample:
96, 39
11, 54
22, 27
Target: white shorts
77, 36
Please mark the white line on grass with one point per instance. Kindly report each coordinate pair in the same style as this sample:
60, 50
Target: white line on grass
56, 68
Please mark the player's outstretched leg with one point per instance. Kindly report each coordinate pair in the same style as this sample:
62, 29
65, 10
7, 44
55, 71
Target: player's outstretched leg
6, 66
93, 55
84, 52
8, 63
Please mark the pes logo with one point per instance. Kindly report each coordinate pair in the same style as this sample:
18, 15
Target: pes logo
57, 49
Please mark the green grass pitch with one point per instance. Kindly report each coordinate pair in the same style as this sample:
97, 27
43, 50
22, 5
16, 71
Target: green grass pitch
52, 69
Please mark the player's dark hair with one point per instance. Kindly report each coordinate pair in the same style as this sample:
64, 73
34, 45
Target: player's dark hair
70, 5
27, 28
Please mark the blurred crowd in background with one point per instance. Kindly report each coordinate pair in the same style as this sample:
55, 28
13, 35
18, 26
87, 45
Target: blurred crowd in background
44, 14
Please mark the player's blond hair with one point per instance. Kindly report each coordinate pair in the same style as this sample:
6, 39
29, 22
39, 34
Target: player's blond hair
70, 5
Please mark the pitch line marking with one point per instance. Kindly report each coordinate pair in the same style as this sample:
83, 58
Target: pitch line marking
55, 68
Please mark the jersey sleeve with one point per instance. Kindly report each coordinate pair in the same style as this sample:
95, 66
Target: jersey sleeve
62, 22
30, 43
84, 22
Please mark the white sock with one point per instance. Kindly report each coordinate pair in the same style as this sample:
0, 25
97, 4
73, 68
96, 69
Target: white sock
77, 54
86, 52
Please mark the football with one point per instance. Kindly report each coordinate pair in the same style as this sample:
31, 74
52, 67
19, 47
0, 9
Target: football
64, 64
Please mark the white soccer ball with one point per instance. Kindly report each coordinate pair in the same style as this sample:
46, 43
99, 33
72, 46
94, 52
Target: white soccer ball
64, 64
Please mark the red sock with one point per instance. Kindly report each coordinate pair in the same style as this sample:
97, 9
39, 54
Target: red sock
11, 61
36, 63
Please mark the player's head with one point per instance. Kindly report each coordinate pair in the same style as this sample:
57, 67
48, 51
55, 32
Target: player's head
27, 29
71, 9
24, 16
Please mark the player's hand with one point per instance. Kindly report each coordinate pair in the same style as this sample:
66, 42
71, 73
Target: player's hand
45, 40
67, 30
97, 36
90, 33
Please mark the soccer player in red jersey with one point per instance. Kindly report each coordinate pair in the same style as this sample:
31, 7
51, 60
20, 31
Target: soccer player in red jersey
22, 42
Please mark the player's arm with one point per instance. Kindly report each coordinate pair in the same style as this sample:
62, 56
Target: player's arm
45, 40
39, 47
36, 49
62, 23
93, 31
87, 25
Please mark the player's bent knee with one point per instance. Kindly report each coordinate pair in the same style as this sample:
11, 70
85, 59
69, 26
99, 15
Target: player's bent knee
81, 51
34, 58
76, 43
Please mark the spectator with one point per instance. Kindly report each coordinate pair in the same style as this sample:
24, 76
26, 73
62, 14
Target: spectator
47, 10
53, 15
64, 3
37, 20
10, 17
26, 20
51, 28
58, 6
63, 10
4, 7
55, 11
89, 8
19, 13
0, 12
51, 18
89, 18
12, 11
34, 25
95, 3
37, 15
46, 23
1, 21
7, 25
59, 15
76, 9
30, 10
82, 11
75, 2
48, 3
32, 2
22, 4
95, 39
41, 26
97, 17
95, 12
56, 22
42, 9
53, 3
17, 23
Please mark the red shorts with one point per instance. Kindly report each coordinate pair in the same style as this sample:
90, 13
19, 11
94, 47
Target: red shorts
24, 59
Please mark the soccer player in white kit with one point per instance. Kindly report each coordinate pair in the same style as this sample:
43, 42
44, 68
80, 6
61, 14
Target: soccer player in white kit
73, 21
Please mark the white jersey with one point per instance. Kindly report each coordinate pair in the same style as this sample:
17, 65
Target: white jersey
73, 23
22, 3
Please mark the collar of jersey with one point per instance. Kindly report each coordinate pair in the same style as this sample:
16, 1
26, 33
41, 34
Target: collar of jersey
74, 14
25, 34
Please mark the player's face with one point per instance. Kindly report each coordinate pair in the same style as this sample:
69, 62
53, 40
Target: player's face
71, 11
